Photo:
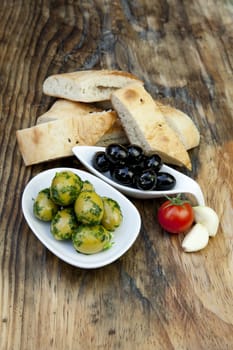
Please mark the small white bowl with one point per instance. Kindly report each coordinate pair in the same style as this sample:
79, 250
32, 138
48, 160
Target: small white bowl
124, 236
184, 183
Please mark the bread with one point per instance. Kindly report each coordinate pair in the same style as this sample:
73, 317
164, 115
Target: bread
182, 124
73, 119
55, 139
146, 126
63, 108
116, 134
87, 86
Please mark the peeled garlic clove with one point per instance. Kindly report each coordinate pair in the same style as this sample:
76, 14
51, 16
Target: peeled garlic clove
207, 217
196, 239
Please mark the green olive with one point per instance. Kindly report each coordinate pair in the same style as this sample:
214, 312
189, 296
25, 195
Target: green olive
44, 208
89, 208
91, 239
65, 187
64, 224
112, 217
87, 186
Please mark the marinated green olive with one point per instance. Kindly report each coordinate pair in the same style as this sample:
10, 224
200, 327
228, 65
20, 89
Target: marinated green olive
112, 217
65, 187
44, 208
91, 239
89, 208
87, 186
64, 224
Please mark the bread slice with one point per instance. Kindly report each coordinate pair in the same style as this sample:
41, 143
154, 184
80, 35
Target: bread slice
116, 134
182, 124
55, 139
87, 86
146, 126
63, 108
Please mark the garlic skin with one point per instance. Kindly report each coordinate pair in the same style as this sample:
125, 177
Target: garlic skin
196, 239
208, 218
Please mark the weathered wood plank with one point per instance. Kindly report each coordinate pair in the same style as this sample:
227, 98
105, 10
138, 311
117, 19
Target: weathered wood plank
155, 296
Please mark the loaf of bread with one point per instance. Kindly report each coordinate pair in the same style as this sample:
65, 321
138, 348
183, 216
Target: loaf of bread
87, 86
146, 126
182, 124
55, 139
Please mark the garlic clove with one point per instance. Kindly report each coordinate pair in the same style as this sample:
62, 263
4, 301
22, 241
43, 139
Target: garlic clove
196, 239
207, 217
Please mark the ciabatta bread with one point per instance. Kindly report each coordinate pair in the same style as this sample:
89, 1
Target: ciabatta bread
182, 124
87, 86
146, 126
55, 139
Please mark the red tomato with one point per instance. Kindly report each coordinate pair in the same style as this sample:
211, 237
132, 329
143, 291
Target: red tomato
176, 216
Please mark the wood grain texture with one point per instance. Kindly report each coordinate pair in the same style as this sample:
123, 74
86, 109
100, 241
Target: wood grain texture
155, 296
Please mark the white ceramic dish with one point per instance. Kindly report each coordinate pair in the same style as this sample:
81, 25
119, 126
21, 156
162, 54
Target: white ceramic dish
184, 184
124, 235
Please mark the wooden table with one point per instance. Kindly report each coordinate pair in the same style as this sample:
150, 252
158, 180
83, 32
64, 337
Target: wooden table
155, 296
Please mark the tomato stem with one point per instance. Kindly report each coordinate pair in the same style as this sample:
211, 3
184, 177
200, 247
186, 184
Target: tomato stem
177, 200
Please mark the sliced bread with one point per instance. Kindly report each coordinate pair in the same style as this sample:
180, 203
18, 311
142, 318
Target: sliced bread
63, 108
55, 139
87, 86
116, 134
182, 124
146, 126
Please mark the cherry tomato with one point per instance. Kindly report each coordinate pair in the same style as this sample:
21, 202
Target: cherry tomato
175, 215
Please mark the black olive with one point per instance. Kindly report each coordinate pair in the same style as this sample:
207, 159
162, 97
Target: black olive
131, 167
153, 162
146, 181
116, 153
165, 181
135, 154
123, 175
100, 162
137, 168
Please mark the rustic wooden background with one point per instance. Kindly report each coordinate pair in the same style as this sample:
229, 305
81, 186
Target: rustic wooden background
155, 296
